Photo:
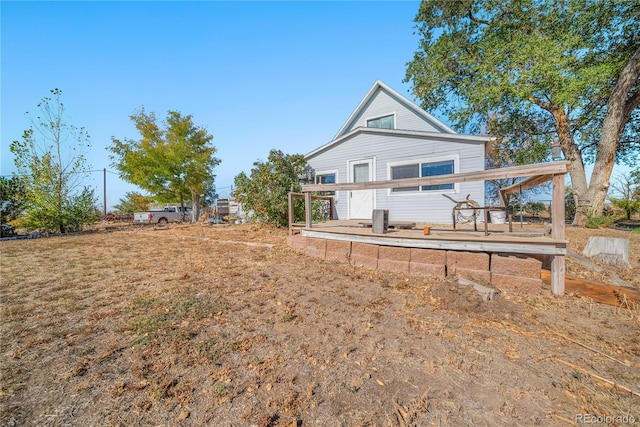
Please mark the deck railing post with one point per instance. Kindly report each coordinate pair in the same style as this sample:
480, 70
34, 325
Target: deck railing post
558, 263
331, 208
307, 208
291, 214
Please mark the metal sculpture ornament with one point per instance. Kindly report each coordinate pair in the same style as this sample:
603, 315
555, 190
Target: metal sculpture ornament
465, 210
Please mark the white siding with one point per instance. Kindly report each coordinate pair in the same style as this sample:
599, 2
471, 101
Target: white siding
382, 104
385, 149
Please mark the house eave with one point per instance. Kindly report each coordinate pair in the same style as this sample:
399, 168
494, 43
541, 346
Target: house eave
455, 137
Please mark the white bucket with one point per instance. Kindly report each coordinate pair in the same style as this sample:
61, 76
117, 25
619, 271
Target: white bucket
498, 217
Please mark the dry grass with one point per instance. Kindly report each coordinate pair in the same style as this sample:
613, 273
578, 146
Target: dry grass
196, 325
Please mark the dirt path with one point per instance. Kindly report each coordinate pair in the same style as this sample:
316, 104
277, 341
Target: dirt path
191, 326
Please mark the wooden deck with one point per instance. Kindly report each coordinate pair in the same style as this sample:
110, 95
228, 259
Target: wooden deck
525, 240
554, 245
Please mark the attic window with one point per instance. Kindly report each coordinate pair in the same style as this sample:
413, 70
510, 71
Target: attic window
385, 122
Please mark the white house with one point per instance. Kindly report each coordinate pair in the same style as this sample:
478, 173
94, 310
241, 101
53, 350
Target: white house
388, 137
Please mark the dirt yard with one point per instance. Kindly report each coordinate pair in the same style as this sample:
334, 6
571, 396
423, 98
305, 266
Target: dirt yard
195, 325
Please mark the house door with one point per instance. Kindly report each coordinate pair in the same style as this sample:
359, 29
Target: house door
361, 201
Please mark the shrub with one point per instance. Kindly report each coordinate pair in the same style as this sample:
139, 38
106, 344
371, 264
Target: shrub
605, 220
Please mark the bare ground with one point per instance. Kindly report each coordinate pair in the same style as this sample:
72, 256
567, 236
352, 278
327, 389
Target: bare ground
188, 325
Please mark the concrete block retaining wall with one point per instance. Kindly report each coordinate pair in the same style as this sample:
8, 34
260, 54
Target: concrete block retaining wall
364, 255
393, 258
507, 272
519, 274
428, 262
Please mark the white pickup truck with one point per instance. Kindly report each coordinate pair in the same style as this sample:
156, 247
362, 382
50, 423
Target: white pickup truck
164, 216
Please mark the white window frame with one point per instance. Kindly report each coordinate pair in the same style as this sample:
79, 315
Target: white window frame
328, 172
420, 191
393, 114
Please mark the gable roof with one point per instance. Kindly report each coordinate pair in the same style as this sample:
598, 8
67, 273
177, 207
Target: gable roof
371, 94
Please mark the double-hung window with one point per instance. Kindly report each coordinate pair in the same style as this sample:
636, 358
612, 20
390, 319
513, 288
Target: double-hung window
420, 170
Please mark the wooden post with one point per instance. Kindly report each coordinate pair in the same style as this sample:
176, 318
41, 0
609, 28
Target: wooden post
307, 208
558, 264
291, 215
105, 190
332, 208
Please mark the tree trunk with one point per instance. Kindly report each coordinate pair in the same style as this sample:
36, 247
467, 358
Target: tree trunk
619, 109
182, 213
590, 198
576, 171
195, 204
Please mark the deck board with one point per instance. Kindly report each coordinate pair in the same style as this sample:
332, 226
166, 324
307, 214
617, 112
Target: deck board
442, 237
392, 224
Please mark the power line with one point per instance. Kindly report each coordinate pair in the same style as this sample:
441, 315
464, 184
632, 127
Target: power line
66, 173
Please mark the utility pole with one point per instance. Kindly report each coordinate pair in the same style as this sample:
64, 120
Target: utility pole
104, 171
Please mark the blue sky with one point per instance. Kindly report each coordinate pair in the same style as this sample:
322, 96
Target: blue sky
256, 75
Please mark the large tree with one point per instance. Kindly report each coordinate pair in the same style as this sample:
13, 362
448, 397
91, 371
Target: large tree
512, 149
173, 161
626, 193
13, 198
133, 202
265, 192
50, 160
570, 67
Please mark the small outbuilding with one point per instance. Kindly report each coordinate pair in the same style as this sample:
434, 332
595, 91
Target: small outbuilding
388, 137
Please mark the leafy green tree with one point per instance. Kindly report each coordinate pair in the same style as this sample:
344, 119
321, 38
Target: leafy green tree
513, 149
635, 177
569, 68
13, 198
50, 159
535, 207
265, 191
81, 210
173, 161
209, 198
627, 190
133, 202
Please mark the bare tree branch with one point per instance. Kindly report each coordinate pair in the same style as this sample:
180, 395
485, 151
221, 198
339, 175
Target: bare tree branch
631, 104
478, 20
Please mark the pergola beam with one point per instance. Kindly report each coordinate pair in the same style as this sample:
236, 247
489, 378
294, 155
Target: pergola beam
527, 184
544, 169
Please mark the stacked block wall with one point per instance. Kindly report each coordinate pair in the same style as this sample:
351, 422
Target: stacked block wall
506, 272
338, 250
393, 258
364, 255
469, 265
316, 247
518, 274
428, 262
